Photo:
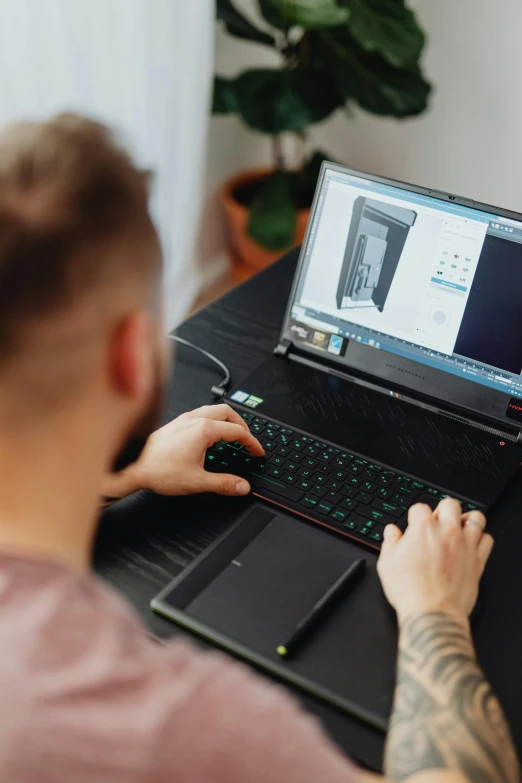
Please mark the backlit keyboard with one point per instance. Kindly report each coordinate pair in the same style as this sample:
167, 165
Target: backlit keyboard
324, 482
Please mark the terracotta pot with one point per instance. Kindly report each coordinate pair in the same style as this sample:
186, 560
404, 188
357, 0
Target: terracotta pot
247, 257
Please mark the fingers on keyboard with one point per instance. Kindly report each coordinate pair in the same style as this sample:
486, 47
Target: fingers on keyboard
324, 482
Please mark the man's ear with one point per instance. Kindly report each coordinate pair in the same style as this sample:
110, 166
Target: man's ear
130, 357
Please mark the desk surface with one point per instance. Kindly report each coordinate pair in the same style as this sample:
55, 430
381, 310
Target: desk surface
145, 541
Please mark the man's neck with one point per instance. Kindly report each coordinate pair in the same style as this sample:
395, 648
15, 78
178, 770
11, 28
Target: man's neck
49, 501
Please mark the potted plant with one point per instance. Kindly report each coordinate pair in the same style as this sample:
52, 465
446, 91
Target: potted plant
333, 53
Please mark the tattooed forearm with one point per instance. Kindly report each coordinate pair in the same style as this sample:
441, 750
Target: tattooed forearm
445, 715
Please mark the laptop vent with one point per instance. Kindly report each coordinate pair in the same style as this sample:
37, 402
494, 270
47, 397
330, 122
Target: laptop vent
477, 425
470, 422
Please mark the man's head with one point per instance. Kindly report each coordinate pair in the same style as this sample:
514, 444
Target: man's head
80, 269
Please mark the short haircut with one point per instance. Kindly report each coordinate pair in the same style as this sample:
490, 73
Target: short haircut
68, 192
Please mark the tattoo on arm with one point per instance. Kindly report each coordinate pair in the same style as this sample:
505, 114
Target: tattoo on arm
445, 715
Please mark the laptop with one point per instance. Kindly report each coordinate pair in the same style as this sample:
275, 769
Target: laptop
397, 378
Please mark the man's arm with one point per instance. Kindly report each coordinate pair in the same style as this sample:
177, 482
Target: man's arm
445, 715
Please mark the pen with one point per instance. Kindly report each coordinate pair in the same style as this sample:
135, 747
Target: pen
347, 580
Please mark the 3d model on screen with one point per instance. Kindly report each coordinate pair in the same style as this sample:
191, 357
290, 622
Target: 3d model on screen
376, 238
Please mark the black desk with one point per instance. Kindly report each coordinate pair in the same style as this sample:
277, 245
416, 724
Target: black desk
145, 541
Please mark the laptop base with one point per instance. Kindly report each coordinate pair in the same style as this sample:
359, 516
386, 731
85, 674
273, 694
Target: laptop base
471, 462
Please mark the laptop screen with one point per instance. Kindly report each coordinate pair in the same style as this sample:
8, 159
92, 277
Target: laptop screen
412, 275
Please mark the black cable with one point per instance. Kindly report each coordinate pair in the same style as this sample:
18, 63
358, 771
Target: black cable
218, 390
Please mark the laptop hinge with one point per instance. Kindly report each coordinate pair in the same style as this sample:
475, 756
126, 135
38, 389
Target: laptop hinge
282, 348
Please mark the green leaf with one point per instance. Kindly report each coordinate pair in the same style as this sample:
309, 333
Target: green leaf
224, 99
388, 28
272, 15
273, 216
368, 78
240, 27
310, 14
274, 101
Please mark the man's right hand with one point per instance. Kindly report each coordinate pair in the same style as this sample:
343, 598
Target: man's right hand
446, 723
436, 565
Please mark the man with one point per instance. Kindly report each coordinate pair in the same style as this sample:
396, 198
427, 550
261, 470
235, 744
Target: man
86, 695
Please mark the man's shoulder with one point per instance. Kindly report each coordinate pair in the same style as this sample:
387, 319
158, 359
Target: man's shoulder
78, 676
56, 622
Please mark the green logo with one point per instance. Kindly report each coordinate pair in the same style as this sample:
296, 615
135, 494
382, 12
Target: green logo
253, 402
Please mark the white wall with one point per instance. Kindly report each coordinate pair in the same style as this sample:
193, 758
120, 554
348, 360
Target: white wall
469, 141
144, 68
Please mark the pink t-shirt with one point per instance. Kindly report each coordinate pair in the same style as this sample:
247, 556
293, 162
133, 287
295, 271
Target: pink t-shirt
87, 697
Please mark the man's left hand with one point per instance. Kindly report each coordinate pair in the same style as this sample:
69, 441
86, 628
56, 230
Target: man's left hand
172, 462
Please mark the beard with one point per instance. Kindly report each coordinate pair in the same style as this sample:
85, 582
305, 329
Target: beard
144, 427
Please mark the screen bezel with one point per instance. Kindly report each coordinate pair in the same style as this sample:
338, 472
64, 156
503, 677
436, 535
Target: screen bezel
395, 370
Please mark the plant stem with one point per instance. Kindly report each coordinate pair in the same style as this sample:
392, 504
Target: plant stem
302, 149
303, 50
277, 147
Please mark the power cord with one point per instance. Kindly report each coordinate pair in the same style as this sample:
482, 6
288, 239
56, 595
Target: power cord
218, 390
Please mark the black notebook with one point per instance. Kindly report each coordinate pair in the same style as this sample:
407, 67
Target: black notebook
250, 590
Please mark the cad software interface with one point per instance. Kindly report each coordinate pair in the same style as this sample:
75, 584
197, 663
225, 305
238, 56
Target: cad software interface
419, 277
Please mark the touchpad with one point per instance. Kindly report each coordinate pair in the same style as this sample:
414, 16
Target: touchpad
258, 598
274, 582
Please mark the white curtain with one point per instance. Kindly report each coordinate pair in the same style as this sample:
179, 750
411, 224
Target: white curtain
144, 67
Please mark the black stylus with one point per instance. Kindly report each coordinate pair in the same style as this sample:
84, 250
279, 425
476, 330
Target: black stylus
305, 628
